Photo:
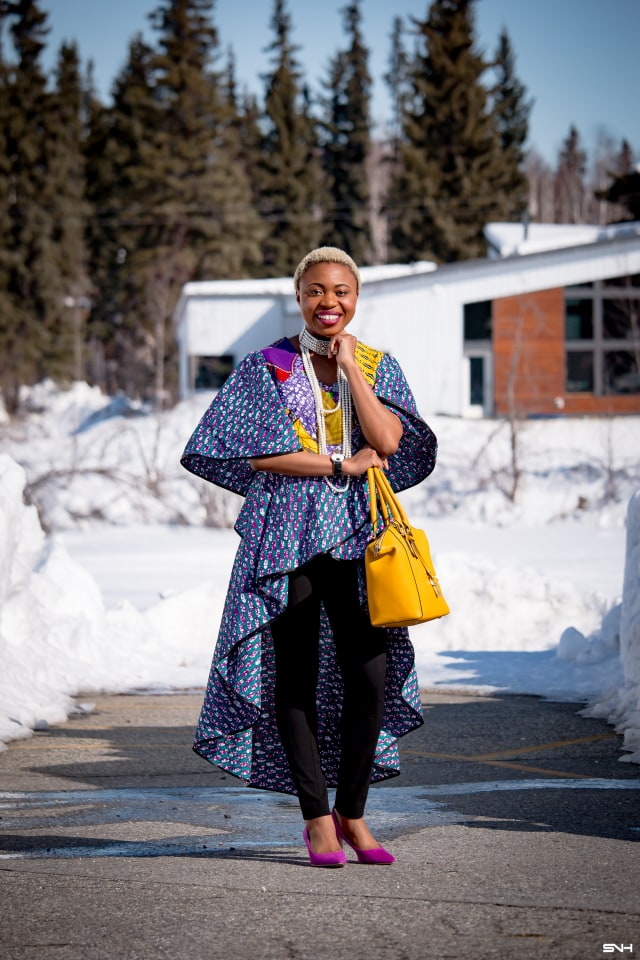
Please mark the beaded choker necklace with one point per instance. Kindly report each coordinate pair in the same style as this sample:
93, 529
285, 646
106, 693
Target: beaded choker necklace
310, 343
315, 344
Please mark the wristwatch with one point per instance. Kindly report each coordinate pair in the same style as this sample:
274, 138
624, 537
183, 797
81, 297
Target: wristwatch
337, 459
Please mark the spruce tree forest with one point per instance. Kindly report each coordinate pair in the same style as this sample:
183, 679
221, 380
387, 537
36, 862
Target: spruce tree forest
109, 208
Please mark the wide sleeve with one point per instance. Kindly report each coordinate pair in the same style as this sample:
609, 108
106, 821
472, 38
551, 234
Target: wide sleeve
415, 458
246, 419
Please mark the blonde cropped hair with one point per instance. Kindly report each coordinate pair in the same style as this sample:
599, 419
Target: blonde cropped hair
326, 255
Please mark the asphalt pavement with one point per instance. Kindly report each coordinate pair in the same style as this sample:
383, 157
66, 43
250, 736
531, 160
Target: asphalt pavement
515, 823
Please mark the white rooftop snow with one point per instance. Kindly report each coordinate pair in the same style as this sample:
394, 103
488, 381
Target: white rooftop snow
283, 286
513, 239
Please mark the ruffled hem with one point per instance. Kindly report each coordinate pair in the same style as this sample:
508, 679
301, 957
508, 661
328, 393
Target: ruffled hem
247, 744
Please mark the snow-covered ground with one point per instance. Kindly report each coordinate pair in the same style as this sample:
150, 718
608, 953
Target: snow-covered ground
125, 590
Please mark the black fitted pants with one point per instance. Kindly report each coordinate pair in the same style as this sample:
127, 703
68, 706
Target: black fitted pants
362, 656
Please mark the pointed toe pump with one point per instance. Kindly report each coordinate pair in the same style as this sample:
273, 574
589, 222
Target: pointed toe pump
335, 858
378, 855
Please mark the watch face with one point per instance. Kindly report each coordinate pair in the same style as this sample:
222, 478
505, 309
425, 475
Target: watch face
337, 459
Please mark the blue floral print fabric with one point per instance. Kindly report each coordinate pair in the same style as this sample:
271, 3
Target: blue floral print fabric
283, 523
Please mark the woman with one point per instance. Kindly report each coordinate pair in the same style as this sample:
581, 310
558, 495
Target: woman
303, 691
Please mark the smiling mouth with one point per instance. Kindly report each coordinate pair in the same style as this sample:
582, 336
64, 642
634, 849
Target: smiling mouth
328, 319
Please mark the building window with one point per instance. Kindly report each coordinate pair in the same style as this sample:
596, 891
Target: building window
211, 372
580, 372
477, 320
579, 319
621, 372
620, 319
476, 381
479, 356
602, 333
631, 282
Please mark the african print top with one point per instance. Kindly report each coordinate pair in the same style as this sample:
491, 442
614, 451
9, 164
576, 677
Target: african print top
263, 409
295, 391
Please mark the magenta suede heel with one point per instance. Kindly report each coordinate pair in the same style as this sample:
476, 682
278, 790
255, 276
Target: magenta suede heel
378, 855
335, 858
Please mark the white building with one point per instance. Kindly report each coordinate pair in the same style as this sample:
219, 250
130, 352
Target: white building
550, 319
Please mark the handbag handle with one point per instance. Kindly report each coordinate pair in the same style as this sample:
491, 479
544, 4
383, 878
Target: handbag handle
395, 508
380, 490
373, 496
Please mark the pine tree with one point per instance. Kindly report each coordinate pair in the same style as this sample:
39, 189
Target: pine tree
32, 298
245, 137
192, 178
7, 252
397, 80
247, 113
121, 230
451, 177
570, 193
198, 148
170, 190
624, 190
540, 177
511, 112
66, 189
624, 159
347, 144
608, 160
385, 154
291, 183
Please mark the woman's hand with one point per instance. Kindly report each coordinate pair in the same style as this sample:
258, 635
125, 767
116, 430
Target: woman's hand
343, 348
360, 462
381, 427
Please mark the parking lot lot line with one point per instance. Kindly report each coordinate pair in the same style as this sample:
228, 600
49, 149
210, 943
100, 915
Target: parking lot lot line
498, 763
536, 748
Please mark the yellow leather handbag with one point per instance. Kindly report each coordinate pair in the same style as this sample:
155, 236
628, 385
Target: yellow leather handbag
402, 586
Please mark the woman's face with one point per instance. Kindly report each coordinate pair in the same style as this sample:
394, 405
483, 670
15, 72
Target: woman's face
327, 297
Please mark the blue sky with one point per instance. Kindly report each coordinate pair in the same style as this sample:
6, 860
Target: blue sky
577, 58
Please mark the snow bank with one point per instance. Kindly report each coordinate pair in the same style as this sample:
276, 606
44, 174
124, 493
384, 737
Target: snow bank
57, 639
85, 457
508, 633
92, 458
22, 628
621, 705
581, 469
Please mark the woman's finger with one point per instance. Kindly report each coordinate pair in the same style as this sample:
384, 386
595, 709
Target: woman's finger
339, 340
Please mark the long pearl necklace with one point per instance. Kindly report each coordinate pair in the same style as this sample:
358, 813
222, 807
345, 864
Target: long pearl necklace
310, 343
